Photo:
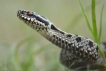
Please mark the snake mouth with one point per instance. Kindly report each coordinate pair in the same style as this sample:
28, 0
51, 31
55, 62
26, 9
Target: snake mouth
26, 16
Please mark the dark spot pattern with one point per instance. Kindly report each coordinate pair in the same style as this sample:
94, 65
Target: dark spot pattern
90, 44
78, 39
69, 35
97, 48
54, 28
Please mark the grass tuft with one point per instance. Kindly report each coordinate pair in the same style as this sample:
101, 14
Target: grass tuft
100, 30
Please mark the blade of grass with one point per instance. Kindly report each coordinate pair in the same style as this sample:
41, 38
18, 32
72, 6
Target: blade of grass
100, 30
16, 56
41, 49
95, 30
68, 69
28, 51
21, 43
34, 54
88, 24
94, 22
100, 33
78, 17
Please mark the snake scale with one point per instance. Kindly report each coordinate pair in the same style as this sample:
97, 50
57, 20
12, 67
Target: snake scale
77, 52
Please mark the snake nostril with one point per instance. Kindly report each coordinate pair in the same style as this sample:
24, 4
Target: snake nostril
18, 12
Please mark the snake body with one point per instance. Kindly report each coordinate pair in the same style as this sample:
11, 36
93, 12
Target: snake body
77, 51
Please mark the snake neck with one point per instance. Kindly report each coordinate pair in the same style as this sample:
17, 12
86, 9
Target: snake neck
59, 38
79, 46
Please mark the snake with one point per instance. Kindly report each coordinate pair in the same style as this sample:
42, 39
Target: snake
77, 52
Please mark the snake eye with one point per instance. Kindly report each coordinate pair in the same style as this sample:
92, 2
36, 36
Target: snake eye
30, 13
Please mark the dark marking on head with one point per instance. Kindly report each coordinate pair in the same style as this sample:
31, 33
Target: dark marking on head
78, 39
90, 44
41, 20
54, 28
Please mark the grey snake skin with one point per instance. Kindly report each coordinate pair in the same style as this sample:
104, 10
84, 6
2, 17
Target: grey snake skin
77, 52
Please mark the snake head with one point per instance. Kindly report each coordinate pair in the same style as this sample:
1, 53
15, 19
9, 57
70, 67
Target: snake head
34, 20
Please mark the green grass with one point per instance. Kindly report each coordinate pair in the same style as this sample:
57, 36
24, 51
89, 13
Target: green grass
27, 62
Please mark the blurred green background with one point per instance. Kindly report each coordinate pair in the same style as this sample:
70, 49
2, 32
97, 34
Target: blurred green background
23, 49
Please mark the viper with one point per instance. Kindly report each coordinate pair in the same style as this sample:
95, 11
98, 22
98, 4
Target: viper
77, 52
